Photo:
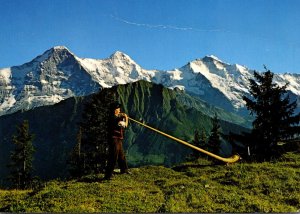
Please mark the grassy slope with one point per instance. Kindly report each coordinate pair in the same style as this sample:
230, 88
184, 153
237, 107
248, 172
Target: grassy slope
191, 187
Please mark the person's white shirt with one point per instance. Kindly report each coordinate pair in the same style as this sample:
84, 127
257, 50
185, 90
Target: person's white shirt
122, 124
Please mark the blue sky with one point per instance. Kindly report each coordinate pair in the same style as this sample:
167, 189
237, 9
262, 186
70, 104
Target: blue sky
157, 34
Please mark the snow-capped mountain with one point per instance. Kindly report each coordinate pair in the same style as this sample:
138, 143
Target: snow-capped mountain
47, 79
212, 80
58, 74
117, 69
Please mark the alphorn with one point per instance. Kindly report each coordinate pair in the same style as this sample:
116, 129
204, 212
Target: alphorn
231, 159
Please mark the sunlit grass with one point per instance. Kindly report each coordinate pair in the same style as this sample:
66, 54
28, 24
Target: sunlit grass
198, 186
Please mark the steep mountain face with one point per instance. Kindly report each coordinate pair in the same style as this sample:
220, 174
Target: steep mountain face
117, 69
220, 83
59, 74
171, 111
212, 80
48, 79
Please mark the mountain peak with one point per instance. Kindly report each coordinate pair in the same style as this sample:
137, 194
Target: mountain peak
60, 48
211, 58
120, 56
214, 57
51, 51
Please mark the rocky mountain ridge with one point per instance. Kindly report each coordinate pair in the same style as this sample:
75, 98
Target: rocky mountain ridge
58, 74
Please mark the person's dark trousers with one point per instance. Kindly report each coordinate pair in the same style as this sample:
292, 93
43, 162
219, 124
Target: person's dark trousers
116, 154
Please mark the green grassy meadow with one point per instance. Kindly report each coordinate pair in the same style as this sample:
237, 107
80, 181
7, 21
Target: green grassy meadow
198, 186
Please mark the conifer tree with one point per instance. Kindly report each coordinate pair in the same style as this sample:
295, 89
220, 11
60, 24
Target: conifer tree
199, 141
274, 115
94, 134
22, 157
203, 143
196, 142
214, 140
77, 158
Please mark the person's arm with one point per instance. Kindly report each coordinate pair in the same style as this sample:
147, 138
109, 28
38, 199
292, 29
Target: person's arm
126, 120
124, 123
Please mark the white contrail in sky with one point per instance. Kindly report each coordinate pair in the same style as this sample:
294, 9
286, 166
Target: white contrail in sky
172, 27
164, 26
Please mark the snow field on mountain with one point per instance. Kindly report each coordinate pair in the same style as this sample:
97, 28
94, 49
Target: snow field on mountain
58, 74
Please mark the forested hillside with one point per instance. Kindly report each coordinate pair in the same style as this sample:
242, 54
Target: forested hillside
55, 127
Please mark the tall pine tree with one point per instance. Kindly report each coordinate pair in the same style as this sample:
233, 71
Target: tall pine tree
196, 142
22, 157
76, 159
199, 141
275, 120
90, 153
214, 140
203, 143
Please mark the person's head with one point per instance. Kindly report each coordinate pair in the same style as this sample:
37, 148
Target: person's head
117, 111
116, 108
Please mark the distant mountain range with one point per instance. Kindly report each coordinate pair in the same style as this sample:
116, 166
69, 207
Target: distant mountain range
59, 74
